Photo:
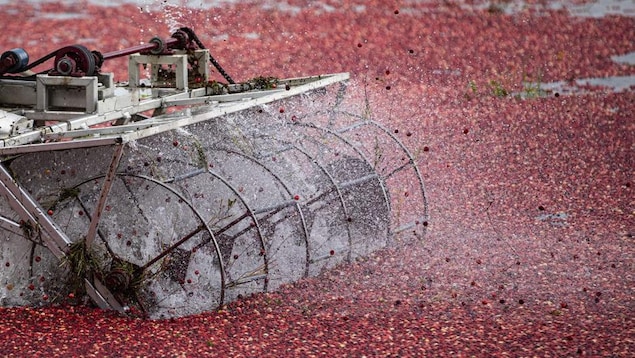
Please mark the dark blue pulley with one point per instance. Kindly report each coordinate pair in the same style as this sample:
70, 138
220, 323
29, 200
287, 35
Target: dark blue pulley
13, 61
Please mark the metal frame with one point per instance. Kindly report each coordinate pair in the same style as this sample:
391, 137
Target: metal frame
73, 130
76, 132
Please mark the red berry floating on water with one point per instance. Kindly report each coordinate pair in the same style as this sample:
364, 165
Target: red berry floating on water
50, 212
332, 252
175, 143
281, 109
37, 259
296, 197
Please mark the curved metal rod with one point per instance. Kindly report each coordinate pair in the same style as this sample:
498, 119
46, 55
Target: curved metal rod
298, 208
402, 147
337, 189
251, 214
361, 155
198, 215
365, 121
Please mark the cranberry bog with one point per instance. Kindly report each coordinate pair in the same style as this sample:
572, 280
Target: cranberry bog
520, 118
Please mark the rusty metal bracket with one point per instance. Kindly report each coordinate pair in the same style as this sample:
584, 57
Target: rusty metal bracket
103, 196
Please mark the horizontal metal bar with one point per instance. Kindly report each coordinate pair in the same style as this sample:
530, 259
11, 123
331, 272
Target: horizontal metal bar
245, 280
233, 108
69, 144
336, 252
360, 180
275, 207
186, 175
10, 225
234, 103
409, 225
